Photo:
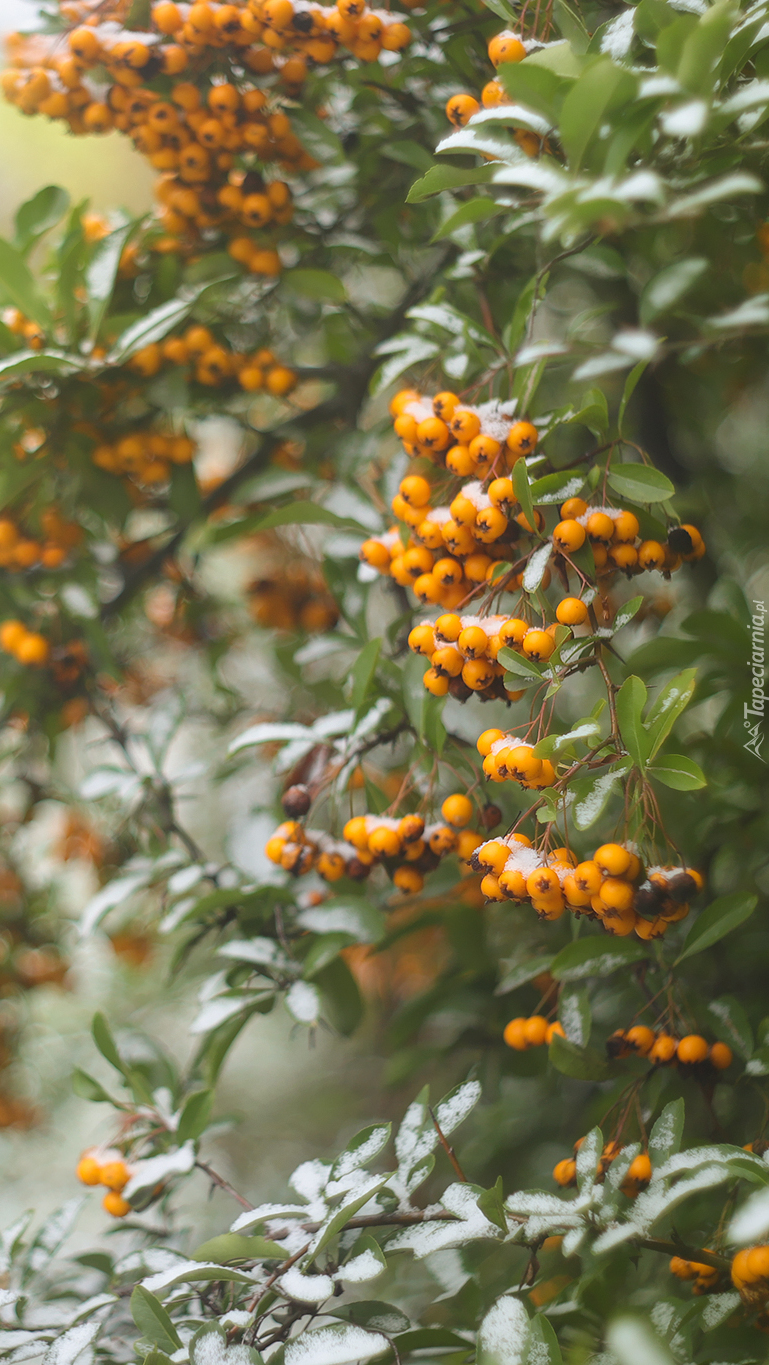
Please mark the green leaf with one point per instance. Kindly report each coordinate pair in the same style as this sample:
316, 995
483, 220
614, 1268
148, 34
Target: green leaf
473, 211
376, 1315
678, 772
523, 490
40, 213
731, 1025
640, 482
195, 1116
593, 412
602, 88
302, 514
492, 1205
363, 673
672, 700
432, 731
633, 1341
18, 284
101, 274
519, 664
534, 85
30, 362
595, 957
184, 494
630, 702
591, 794
153, 1321
626, 613
314, 284
233, 1246
441, 178
581, 1063
574, 1014
408, 153
153, 327
629, 389
541, 1332
554, 488
704, 47
665, 1136
88, 1089
103, 1039
666, 288
518, 974
718, 920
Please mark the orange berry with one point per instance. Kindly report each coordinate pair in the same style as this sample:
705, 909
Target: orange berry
612, 860
571, 611
565, 1173
720, 1056
505, 47
641, 1039
535, 1030
88, 1171
115, 1175
663, 1050
692, 1049
515, 1034
600, 526
569, 536
537, 644
522, 438
115, 1204
457, 810
460, 109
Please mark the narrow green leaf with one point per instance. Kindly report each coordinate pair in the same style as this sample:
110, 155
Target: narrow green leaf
595, 956
305, 514
103, 1039
591, 794
153, 1321
364, 672
630, 703
89, 1089
18, 284
233, 1246
665, 1136
672, 700
440, 178
101, 274
473, 211
314, 284
195, 1116
678, 772
523, 490
718, 920
629, 389
40, 213
640, 482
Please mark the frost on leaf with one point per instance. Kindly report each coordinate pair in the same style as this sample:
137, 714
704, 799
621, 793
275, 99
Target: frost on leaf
149, 1173
306, 1288
366, 1262
751, 1223
209, 1347
504, 1334
67, 1348
363, 1148
335, 1346
303, 1002
469, 1224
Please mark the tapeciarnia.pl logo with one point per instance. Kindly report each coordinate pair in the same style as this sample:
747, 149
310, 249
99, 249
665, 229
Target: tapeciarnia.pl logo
756, 664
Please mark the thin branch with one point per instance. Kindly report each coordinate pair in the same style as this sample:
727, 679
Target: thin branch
450, 1153
222, 1184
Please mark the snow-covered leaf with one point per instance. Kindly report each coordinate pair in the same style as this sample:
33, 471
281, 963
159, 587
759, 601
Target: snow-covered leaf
337, 1345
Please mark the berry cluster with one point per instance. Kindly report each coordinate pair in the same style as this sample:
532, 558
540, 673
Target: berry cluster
464, 439
105, 1166
19, 550
407, 847
666, 1050
521, 1034
612, 887
145, 457
615, 541
27, 646
704, 1277
462, 651
295, 598
637, 1177
213, 363
750, 1274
